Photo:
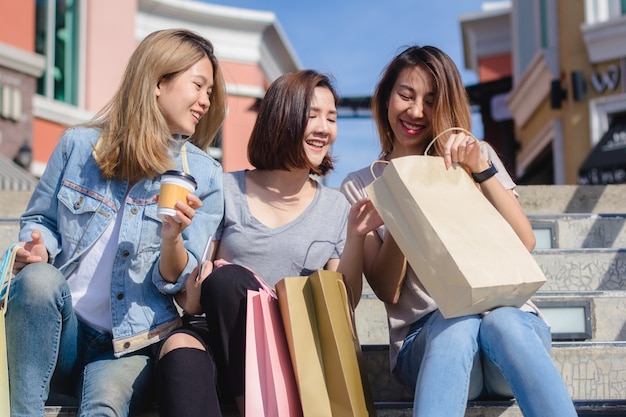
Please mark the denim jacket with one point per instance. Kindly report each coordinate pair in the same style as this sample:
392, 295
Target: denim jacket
72, 206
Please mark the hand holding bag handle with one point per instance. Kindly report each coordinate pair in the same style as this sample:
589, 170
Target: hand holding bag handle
5, 285
430, 144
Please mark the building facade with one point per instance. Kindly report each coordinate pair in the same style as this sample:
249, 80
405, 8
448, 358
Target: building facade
567, 60
61, 61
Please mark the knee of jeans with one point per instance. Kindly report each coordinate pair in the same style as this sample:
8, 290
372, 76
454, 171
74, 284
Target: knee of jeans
40, 281
112, 386
459, 333
501, 319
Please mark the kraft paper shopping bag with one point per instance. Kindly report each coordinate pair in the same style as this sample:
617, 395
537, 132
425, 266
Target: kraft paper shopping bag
464, 252
346, 377
295, 299
270, 385
324, 346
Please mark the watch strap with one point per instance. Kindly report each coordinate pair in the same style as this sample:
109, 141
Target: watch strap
486, 174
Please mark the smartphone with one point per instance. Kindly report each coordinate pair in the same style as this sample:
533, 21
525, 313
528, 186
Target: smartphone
205, 256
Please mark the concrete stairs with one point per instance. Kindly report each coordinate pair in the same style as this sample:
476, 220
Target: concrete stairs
581, 249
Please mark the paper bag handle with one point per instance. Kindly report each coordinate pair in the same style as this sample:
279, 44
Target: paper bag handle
378, 161
467, 132
343, 290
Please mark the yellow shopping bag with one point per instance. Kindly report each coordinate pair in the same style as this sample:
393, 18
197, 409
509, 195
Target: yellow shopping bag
324, 347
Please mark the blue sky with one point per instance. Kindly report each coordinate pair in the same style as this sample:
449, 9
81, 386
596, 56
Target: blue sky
353, 40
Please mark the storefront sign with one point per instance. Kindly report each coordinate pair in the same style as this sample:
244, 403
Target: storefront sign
607, 80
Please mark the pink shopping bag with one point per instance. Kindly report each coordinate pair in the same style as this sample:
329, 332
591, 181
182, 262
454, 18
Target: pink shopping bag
270, 387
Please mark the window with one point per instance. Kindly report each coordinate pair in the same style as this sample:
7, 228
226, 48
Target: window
56, 38
597, 11
536, 32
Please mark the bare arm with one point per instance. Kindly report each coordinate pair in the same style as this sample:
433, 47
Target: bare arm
506, 202
362, 219
385, 267
384, 264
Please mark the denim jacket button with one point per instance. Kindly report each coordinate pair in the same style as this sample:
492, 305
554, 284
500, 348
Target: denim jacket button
120, 296
125, 254
126, 345
134, 210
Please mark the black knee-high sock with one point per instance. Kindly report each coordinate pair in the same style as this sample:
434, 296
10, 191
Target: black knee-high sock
186, 384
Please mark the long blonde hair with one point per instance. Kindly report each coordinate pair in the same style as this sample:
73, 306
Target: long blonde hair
135, 140
451, 105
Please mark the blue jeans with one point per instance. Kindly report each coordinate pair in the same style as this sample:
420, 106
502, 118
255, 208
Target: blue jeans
49, 349
502, 354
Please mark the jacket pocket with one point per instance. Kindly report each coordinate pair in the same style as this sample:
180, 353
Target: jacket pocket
76, 210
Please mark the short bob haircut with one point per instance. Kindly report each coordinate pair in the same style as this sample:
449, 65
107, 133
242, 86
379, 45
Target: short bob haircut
276, 139
136, 142
451, 107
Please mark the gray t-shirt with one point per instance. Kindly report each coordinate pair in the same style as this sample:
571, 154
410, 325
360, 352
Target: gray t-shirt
297, 248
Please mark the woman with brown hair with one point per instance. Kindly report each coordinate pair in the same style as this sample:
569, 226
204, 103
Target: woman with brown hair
497, 354
279, 221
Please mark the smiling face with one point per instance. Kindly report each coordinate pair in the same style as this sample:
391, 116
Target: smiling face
321, 129
185, 98
410, 111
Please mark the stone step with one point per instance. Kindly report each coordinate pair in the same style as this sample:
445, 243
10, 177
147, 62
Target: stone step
404, 409
9, 229
591, 371
509, 409
575, 231
553, 199
602, 269
13, 203
600, 315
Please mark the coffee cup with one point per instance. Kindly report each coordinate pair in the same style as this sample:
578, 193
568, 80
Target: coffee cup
175, 185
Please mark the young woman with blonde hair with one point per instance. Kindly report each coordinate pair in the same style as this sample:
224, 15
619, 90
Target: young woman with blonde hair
98, 269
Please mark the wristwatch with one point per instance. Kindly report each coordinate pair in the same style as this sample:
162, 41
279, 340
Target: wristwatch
486, 174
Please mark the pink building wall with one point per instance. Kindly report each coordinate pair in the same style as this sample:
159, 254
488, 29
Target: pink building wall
17, 24
241, 114
110, 40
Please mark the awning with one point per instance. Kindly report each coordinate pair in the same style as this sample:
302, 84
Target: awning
15, 178
606, 164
